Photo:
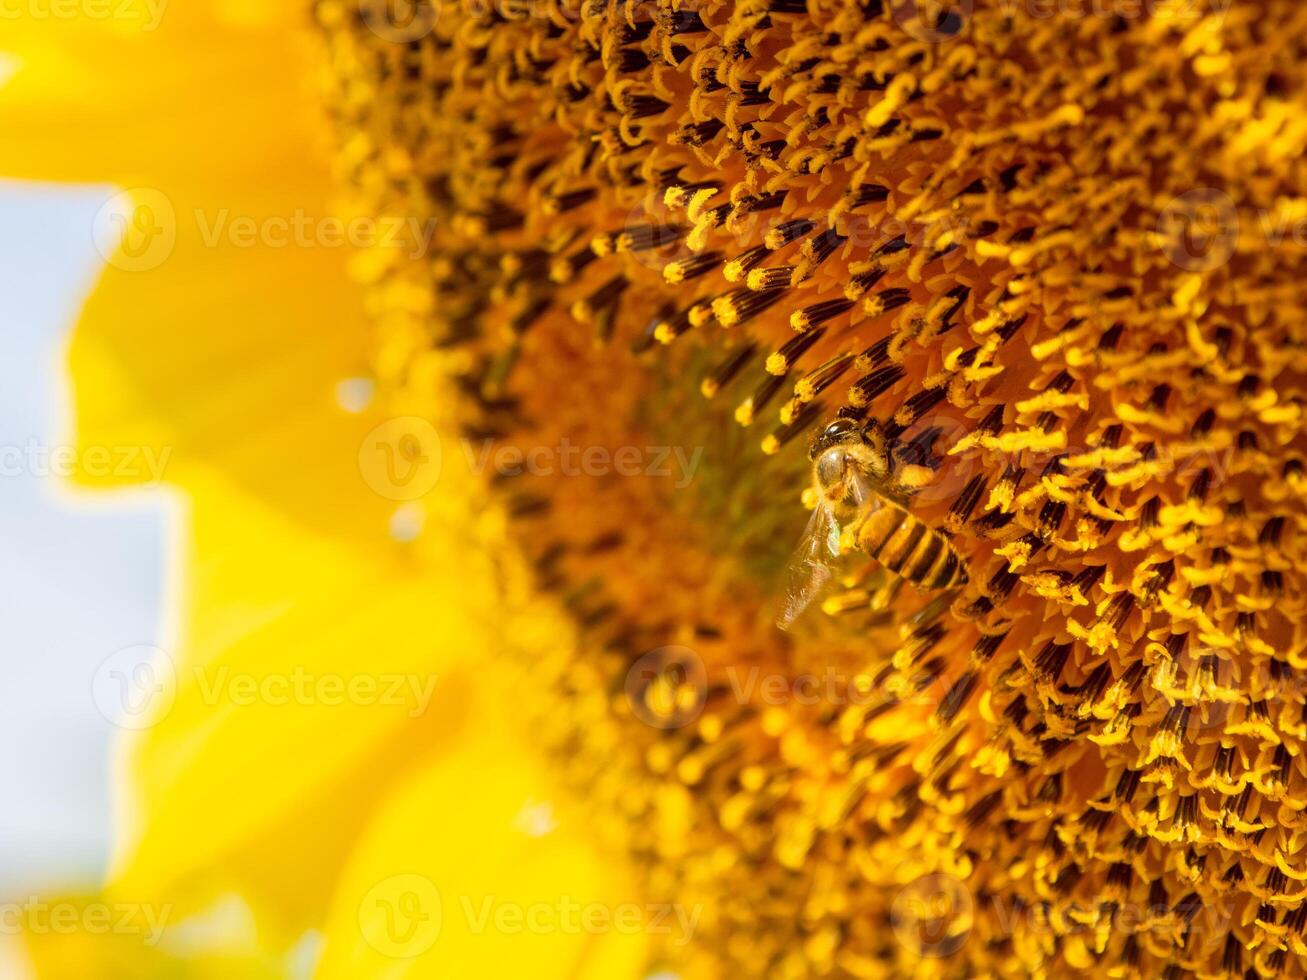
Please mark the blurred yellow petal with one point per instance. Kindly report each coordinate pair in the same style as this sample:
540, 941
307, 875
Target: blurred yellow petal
313, 672
224, 302
320, 664
113, 99
94, 937
477, 869
208, 356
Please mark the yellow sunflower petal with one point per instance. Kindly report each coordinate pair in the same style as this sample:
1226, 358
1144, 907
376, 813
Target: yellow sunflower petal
312, 672
156, 95
475, 869
224, 302
94, 937
208, 355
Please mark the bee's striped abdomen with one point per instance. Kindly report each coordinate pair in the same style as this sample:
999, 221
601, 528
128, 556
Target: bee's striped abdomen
949, 571
911, 548
879, 529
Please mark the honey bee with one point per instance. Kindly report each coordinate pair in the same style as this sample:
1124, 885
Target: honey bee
860, 500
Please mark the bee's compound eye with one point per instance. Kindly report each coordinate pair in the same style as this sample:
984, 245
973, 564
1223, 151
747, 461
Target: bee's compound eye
832, 435
830, 467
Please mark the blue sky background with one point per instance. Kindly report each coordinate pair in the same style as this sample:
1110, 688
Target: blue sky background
79, 578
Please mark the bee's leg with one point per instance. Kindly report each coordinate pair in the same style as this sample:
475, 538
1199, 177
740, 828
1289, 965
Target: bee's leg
904, 481
976, 606
884, 597
939, 604
917, 635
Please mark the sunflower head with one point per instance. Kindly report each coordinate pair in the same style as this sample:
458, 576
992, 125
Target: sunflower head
1018, 255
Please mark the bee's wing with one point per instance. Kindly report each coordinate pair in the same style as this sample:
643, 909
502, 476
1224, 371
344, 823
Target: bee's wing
809, 570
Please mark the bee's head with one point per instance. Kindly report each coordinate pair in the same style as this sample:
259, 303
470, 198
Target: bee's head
848, 442
839, 432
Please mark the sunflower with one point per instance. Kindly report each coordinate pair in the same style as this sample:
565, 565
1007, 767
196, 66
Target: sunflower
632, 261
1028, 254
